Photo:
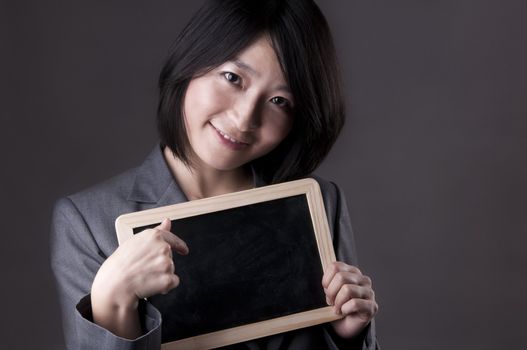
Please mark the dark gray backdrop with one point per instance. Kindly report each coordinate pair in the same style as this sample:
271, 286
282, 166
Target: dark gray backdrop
431, 159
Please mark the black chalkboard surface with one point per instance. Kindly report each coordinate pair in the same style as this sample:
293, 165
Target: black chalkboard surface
254, 258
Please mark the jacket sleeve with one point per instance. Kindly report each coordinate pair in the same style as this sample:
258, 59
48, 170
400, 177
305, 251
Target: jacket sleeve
345, 250
75, 259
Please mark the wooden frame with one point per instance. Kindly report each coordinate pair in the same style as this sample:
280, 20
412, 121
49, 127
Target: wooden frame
126, 223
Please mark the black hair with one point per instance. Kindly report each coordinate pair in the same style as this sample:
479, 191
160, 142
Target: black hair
303, 44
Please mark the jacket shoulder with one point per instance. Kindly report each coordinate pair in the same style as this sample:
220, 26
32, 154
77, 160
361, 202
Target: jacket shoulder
92, 211
108, 192
330, 190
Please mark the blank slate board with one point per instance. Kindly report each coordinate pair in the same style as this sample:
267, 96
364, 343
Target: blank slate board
255, 265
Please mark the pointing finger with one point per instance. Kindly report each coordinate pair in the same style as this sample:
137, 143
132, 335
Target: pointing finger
176, 243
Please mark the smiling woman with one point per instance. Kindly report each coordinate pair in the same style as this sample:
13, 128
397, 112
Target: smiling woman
249, 96
301, 48
236, 113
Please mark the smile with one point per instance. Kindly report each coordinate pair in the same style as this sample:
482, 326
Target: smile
227, 137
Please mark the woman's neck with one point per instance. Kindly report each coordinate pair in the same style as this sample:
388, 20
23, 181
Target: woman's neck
205, 181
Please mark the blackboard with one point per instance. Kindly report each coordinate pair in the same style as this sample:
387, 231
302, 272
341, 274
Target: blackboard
247, 264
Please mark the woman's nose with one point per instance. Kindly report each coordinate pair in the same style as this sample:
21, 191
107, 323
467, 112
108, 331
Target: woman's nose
247, 114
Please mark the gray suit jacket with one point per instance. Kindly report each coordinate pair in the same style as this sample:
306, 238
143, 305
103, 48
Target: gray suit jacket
83, 236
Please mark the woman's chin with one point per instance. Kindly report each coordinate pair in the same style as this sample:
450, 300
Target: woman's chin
220, 164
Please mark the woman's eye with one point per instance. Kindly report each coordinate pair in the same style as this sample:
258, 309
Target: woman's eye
280, 101
232, 78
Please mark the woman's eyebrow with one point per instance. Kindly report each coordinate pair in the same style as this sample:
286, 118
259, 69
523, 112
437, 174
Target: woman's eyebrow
242, 65
284, 88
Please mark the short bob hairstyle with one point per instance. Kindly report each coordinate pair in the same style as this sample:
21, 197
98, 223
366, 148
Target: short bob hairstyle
303, 44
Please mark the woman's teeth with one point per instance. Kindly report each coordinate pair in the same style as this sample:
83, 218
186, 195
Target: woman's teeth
225, 136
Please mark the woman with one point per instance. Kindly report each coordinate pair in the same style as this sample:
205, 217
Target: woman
249, 96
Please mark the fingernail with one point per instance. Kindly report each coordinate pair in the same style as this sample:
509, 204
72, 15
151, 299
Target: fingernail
327, 301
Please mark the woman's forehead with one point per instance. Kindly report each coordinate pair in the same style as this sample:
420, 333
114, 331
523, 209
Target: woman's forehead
259, 60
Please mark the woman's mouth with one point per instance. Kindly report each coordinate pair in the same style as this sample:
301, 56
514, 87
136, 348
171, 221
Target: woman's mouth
229, 140
228, 137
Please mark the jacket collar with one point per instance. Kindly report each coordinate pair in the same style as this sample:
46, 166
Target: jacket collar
154, 182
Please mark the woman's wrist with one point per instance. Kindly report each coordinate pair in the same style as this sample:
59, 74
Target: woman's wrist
115, 309
110, 291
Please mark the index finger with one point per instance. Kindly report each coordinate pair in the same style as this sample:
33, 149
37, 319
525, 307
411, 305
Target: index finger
175, 242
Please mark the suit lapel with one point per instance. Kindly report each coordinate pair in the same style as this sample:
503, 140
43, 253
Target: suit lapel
154, 182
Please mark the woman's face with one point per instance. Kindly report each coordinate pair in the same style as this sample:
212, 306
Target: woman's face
240, 110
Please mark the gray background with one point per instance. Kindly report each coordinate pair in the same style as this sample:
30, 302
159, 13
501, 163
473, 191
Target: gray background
431, 159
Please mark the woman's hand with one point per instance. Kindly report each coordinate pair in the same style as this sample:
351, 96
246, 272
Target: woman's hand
352, 295
139, 268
